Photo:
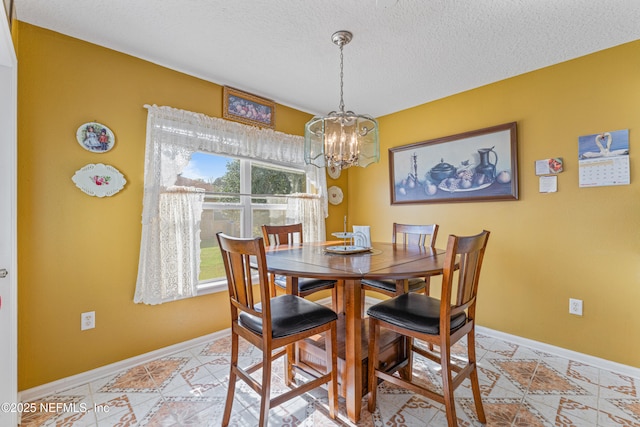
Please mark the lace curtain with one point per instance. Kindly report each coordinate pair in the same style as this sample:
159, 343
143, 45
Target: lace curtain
306, 208
173, 248
174, 214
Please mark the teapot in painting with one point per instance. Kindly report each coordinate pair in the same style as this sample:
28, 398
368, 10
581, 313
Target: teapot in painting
442, 171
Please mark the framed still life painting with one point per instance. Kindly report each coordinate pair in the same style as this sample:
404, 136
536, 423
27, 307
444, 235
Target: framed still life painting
479, 165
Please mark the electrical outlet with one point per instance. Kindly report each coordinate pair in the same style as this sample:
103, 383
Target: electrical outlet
575, 306
87, 320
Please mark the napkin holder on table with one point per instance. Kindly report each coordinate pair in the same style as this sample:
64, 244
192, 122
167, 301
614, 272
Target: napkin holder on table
362, 235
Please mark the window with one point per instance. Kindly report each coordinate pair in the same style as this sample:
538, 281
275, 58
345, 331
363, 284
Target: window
241, 195
172, 214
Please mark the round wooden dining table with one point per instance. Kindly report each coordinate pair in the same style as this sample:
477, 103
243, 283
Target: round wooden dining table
382, 261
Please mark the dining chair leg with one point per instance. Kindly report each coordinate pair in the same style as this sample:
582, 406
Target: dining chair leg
334, 297
231, 387
427, 291
340, 307
289, 361
374, 336
407, 371
427, 285
272, 284
447, 385
475, 383
265, 398
331, 346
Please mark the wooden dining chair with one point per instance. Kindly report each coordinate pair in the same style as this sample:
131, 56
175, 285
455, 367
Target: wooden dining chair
441, 323
283, 235
406, 234
271, 323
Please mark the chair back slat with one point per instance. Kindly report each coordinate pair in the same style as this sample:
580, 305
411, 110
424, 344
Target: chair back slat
467, 252
282, 234
467, 284
238, 254
238, 283
411, 235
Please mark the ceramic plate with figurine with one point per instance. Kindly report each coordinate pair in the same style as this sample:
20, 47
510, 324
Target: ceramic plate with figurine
95, 137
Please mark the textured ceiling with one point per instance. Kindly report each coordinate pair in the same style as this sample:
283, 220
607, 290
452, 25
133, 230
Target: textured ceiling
404, 52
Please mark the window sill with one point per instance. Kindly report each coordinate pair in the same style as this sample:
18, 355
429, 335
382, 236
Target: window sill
212, 287
216, 286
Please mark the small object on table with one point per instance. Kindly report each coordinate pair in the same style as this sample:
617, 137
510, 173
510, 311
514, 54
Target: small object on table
362, 235
348, 246
346, 249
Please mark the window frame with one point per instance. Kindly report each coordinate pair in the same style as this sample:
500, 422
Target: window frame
246, 208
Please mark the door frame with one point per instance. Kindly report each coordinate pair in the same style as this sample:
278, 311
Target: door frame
8, 223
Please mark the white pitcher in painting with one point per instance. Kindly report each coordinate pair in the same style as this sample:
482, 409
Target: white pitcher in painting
362, 236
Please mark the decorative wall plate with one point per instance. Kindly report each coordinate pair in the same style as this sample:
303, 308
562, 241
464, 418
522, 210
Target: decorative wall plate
335, 195
99, 180
95, 137
334, 172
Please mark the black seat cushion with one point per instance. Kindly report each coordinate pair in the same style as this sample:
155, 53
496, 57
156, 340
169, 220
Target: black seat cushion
305, 284
390, 285
290, 314
416, 312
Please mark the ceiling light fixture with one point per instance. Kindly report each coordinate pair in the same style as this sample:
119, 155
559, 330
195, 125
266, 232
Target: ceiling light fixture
341, 138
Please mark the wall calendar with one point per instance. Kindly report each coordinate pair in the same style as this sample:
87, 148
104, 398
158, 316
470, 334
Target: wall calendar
604, 159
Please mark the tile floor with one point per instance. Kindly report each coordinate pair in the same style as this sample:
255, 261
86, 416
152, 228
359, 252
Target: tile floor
521, 387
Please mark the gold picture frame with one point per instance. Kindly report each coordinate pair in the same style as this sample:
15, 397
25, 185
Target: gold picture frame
247, 108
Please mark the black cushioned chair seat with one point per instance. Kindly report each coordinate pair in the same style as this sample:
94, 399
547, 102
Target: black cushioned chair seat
416, 312
304, 284
390, 285
290, 314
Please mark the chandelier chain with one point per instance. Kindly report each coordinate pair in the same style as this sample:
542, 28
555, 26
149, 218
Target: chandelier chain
341, 78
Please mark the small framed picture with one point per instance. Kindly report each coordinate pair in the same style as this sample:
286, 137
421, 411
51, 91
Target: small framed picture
249, 109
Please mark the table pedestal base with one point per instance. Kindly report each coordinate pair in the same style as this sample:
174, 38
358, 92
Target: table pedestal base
311, 354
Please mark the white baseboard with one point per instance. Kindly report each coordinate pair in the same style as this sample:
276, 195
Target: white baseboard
547, 348
563, 352
114, 368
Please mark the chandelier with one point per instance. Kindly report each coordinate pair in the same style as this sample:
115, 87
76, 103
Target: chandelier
341, 139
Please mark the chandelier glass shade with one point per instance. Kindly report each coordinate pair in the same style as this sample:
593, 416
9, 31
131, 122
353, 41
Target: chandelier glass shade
341, 138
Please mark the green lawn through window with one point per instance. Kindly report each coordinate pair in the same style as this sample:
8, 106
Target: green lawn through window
211, 266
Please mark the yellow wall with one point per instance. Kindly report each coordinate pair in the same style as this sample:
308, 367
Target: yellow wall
79, 253
544, 248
